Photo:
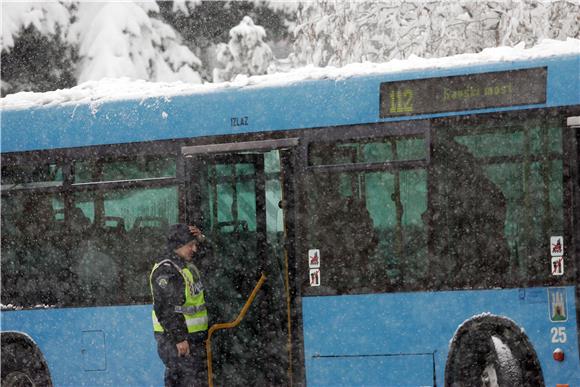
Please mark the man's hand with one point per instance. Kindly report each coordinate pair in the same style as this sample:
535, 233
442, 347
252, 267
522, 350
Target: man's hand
196, 232
182, 348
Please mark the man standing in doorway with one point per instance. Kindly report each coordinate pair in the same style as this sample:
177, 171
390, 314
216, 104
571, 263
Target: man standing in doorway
180, 317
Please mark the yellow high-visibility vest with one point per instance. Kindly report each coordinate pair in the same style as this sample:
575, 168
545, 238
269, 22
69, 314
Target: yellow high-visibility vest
193, 309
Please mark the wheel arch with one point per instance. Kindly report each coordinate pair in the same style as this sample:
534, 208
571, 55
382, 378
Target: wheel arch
26, 342
472, 330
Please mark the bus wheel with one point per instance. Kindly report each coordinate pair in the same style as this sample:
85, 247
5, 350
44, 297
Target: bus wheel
492, 351
23, 367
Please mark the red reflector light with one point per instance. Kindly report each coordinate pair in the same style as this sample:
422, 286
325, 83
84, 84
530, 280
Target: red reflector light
562, 385
558, 356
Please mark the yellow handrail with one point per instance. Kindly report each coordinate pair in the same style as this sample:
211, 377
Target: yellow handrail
228, 325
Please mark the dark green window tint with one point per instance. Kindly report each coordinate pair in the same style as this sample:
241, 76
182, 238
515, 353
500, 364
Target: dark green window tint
31, 176
368, 151
239, 197
123, 234
369, 229
130, 169
83, 248
513, 141
480, 215
232, 197
274, 213
498, 197
35, 246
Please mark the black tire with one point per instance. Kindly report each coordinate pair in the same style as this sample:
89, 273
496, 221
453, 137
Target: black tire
492, 351
23, 366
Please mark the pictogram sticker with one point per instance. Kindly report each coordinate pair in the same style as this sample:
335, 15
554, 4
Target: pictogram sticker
556, 246
314, 277
557, 304
557, 266
314, 258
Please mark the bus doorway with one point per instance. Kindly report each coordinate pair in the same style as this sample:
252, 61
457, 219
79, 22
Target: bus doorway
237, 197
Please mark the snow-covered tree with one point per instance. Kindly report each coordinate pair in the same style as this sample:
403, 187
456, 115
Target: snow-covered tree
66, 42
245, 53
205, 24
334, 32
120, 39
35, 53
564, 20
48, 18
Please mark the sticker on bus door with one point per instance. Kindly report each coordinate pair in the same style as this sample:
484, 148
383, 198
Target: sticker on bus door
556, 246
314, 258
314, 277
557, 266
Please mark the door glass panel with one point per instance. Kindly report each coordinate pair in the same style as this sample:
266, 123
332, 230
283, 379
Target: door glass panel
238, 209
275, 266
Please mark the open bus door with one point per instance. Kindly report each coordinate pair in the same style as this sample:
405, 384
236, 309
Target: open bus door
236, 194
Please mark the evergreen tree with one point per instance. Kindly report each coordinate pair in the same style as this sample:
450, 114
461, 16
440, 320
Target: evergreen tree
126, 40
59, 43
37, 63
35, 53
245, 53
205, 24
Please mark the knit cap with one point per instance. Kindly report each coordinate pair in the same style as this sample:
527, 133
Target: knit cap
178, 235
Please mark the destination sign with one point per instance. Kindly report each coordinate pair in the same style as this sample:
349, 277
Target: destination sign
463, 92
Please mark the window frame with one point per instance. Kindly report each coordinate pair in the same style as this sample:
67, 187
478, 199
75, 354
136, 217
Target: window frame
347, 134
568, 156
429, 127
68, 189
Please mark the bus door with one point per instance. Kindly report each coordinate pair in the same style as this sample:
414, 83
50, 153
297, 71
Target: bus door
236, 195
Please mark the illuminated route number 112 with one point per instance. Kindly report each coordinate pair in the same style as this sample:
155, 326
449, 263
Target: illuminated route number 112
401, 101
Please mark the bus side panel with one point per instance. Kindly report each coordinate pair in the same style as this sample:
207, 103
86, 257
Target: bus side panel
388, 339
107, 346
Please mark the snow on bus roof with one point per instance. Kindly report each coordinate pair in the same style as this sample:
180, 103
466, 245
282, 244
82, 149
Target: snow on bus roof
98, 92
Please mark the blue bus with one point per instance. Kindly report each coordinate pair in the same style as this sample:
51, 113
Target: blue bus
416, 228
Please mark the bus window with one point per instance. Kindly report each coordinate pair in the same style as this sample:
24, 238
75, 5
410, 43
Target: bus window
497, 198
368, 225
144, 167
35, 266
127, 234
31, 176
371, 238
368, 151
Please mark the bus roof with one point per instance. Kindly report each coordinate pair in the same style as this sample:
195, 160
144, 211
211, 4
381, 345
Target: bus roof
123, 111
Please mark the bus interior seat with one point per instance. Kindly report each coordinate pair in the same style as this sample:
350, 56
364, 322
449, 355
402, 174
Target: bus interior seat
79, 222
113, 234
148, 234
96, 262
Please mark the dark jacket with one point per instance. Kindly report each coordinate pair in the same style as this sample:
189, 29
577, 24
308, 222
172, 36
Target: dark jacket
168, 289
